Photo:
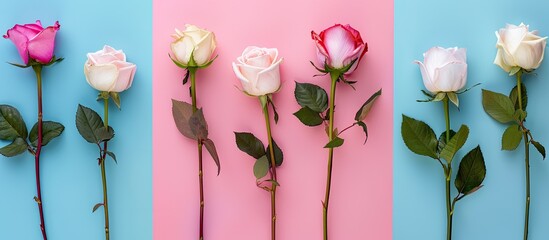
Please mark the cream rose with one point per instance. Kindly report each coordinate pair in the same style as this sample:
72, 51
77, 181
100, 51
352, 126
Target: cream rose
444, 69
517, 47
107, 70
195, 42
258, 70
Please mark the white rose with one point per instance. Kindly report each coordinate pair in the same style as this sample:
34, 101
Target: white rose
517, 47
107, 70
193, 41
444, 69
258, 70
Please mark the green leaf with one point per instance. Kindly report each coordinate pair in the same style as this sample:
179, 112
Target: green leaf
96, 207
364, 128
115, 98
513, 95
182, 112
261, 167
12, 124
456, 142
311, 96
249, 144
519, 115
15, 148
439, 97
103, 134
309, 117
50, 130
471, 173
514, 70
498, 106
366, 107
511, 137
336, 142
87, 122
539, 147
210, 146
419, 137
113, 156
198, 125
279, 155
442, 140
453, 98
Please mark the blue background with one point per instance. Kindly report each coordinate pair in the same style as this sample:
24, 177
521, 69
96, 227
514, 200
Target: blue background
497, 210
71, 179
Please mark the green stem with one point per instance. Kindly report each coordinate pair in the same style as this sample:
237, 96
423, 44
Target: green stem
526, 159
38, 71
192, 75
448, 173
103, 171
334, 77
273, 166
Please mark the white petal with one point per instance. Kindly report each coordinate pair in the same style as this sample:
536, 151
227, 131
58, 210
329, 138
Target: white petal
101, 77
427, 79
512, 36
500, 61
268, 80
451, 77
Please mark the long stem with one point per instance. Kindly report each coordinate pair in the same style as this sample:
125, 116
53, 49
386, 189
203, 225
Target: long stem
334, 77
103, 172
448, 174
192, 73
526, 160
273, 170
38, 71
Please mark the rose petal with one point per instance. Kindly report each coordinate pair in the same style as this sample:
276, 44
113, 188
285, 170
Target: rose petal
29, 32
529, 54
435, 58
182, 49
101, 77
451, 77
268, 80
42, 45
125, 77
500, 62
512, 36
21, 43
204, 49
427, 79
246, 84
339, 44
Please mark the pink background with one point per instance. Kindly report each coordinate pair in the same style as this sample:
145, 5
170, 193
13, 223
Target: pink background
361, 203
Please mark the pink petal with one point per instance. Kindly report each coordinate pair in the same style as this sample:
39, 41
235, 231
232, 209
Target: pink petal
21, 43
41, 47
125, 78
340, 45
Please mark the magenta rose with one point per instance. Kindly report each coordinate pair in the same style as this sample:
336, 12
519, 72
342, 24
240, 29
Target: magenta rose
33, 41
338, 46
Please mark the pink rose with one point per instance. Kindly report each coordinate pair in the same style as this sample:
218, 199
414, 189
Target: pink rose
34, 41
107, 70
340, 45
258, 70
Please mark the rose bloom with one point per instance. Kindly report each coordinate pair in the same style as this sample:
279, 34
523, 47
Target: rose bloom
196, 41
517, 47
34, 41
107, 70
444, 69
258, 69
340, 45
